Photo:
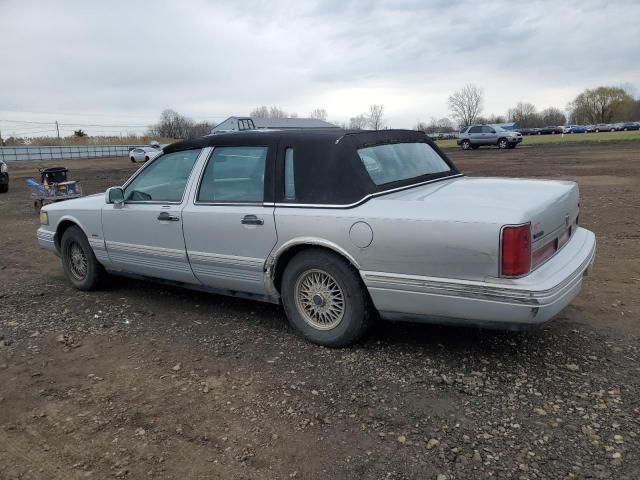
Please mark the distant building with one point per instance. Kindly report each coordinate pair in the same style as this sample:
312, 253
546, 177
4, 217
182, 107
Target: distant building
507, 126
238, 124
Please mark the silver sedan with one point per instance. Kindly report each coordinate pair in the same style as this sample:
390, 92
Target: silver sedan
340, 227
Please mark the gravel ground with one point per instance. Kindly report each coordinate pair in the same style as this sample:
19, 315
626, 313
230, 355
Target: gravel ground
145, 381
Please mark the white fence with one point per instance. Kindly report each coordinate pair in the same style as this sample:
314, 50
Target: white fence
25, 154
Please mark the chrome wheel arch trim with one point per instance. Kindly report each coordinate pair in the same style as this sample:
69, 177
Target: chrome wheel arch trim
275, 256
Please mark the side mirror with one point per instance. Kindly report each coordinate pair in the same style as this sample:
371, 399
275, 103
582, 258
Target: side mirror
114, 195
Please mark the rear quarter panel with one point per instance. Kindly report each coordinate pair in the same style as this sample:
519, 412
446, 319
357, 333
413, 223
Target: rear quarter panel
404, 241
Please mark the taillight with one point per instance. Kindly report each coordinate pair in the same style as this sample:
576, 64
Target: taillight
516, 250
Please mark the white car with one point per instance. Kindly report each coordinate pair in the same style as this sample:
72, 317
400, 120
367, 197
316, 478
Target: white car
144, 154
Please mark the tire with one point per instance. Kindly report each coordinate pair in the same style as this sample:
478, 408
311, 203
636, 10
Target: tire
624, 129
465, 144
133, 160
310, 271
78, 261
597, 131
146, 159
4, 188
503, 143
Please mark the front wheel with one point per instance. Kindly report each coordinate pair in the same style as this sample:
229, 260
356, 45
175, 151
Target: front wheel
78, 261
503, 143
465, 144
325, 300
133, 160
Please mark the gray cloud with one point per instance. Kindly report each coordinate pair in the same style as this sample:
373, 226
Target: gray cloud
210, 59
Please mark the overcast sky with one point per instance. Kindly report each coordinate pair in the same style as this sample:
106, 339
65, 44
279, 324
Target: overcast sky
122, 62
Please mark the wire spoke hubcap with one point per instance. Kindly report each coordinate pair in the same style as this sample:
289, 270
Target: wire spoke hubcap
77, 261
319, 299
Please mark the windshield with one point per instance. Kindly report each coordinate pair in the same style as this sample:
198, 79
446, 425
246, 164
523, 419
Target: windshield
401, 161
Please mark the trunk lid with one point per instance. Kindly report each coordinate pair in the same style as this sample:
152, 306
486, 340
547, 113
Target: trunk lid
547, 204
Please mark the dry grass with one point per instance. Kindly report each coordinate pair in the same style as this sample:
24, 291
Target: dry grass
77, 141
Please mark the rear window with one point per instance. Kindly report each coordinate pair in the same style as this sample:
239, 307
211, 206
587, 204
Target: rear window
401, 161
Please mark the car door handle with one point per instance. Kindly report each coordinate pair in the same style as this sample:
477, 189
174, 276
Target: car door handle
165, 216
251, 220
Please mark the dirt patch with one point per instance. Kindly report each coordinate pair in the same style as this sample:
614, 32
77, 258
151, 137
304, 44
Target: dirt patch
144, 381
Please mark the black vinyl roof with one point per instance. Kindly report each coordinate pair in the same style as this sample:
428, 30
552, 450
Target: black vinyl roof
327, 168
361, 137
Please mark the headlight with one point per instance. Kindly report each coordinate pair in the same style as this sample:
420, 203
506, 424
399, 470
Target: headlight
3, 168
44, 218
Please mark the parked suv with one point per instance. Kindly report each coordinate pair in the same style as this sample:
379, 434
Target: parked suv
476, 136
4, 177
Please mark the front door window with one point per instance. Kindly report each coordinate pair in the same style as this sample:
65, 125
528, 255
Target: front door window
164, 180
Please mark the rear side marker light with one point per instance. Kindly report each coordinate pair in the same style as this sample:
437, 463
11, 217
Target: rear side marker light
516, 250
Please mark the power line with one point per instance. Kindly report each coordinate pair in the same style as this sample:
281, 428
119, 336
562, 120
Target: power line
25, 121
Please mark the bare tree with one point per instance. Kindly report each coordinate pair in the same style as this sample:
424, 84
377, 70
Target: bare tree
494, 119
200, 129
444, 125
600, 105
271, 112
552, 116
524, 114
319, 113
421, 127
172, 125
375, 118
358, 122
466, 104
260, 112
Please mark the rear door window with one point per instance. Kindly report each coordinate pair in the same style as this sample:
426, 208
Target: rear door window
289, 179
234, 175
475, 130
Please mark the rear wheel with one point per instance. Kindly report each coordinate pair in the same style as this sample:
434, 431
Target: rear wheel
325, 300
133, 160
78, 261
503, 143
465, 144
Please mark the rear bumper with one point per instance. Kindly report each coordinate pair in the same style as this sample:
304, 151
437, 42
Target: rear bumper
530, 300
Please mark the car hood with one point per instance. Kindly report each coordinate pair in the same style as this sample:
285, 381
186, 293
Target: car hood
90, 202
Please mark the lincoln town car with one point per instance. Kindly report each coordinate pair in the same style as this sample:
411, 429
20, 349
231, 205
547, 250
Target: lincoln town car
341, 228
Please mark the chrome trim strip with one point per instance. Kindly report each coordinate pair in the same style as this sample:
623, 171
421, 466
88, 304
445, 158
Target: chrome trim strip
472, 289
366, 197
225, 260
45, 235
132, 249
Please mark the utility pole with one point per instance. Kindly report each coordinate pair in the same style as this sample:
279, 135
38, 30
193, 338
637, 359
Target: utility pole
58, 130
